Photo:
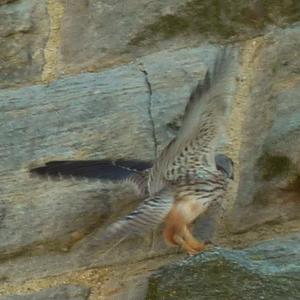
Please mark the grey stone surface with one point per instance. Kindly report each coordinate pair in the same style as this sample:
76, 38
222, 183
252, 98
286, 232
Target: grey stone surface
268, 270
103, 40
134, 289
149, 26
105, 115
64, 292
6, 1
270, 165
23, 35
73, 118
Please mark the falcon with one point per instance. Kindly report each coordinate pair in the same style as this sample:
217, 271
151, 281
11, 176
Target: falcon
184, 180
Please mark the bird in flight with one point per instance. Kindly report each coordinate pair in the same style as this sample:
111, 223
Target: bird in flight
183, 181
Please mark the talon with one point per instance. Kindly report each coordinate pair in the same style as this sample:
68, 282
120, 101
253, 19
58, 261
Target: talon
195, 251
192, 253
209, 242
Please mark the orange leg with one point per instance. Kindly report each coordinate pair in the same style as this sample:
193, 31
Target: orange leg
192, 241
184, 245
177, 233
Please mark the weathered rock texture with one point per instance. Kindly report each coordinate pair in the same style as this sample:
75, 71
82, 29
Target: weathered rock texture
24, 27
148, 55
66, 292
147, 26
84, 35
270, 161
268, 270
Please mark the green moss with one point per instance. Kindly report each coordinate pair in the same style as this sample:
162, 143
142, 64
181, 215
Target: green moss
257, 257
167, 26
294, 185
261, 198
273, 166
220, 278
275, 67
220, 18
170, 25
281, 12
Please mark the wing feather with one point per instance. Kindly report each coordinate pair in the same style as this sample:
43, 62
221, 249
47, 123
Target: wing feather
203, 124
148, 215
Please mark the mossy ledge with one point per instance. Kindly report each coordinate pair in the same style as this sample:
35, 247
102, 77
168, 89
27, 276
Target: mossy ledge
220, 19
273, 166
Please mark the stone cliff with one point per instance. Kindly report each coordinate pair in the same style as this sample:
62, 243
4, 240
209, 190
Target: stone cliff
92, 79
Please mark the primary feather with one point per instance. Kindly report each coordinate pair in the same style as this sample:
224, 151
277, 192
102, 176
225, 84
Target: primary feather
203, 123
144, 218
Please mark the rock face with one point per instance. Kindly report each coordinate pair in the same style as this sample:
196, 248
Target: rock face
268, 270
84, 35
131, 66
147, 26
66, 292
270, 164
23, 36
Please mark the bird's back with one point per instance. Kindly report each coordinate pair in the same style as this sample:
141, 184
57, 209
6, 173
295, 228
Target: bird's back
192, 152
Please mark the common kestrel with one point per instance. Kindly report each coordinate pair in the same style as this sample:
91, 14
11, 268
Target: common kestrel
186, 178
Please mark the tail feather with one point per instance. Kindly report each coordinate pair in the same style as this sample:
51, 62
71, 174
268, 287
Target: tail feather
93, 169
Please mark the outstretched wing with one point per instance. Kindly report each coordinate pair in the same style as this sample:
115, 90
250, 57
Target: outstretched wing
204, 120
133, 171
148, 215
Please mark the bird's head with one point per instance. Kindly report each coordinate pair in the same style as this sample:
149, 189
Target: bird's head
225, 165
